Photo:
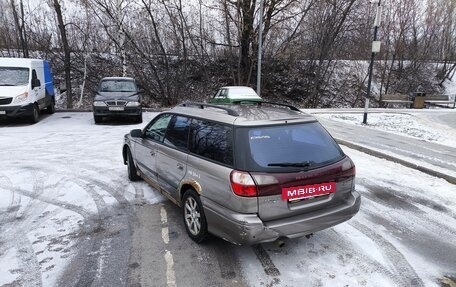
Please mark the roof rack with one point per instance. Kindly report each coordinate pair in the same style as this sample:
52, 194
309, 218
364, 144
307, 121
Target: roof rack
230, 112
293, 108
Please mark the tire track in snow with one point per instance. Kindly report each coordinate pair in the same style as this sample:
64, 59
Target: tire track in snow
108, 249
16, 237
405, 272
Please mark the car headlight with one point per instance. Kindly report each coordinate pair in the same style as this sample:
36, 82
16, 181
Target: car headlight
21, 98
133, 104
99, 104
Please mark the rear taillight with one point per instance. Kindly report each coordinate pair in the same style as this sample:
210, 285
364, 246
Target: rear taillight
348, 167
242, 184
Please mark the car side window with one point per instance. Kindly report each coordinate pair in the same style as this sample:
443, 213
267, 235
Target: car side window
224, 93
212, 140
157, 129
217, 95
177, 132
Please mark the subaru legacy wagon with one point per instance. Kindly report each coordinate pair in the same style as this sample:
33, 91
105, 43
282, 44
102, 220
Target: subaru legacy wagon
248, 173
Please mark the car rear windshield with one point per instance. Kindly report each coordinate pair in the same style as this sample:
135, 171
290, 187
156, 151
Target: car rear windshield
286, 147
117, 86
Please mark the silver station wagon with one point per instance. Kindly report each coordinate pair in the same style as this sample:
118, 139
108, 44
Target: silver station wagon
248, 173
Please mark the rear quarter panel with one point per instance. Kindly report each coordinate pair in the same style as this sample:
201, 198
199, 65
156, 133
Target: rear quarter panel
214, 180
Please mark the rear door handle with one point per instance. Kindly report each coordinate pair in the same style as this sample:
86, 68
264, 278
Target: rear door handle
180, 166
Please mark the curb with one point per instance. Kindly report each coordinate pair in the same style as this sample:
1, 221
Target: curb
449, 178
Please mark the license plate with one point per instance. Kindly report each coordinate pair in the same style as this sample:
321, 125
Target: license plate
116, 108
306, 191
2, 112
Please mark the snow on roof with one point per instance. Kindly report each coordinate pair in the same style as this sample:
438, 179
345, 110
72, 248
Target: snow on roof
17, 62
118, 78
241, 92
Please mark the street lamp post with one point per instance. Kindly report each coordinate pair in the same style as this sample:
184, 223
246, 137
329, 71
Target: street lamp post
260, 48
375, 49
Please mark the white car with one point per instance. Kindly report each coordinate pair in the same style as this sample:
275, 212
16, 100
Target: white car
234, 94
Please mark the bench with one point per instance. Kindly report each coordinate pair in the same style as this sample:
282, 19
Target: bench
440, 100
397, 98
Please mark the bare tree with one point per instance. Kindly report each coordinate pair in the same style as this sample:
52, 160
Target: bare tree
66, 51
19, 22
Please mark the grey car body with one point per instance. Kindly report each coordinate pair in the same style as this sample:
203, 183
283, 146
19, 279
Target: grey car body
209, 161
117, 96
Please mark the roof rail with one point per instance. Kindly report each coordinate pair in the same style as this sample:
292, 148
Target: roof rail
230, 112
293, 108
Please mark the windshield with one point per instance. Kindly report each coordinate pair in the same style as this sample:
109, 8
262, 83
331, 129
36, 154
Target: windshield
117, 86
12, 76
297, 146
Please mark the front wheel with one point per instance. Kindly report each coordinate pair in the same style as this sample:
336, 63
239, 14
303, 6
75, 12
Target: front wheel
35, 114
139, 119
97, 119
194, 218
131, 168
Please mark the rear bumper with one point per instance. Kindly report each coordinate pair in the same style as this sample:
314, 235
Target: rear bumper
247, 229
128, 111
16, 111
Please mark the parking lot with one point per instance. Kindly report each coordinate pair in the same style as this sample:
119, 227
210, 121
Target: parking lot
69, 216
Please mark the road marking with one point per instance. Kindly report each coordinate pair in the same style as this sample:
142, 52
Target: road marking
163, 215
164, 221
170, 276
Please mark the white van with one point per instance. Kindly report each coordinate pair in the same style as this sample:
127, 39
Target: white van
26, 88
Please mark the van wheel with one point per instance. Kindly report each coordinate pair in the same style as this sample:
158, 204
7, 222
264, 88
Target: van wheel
35, 114
51, 108
97, 119
131, 169
194, 218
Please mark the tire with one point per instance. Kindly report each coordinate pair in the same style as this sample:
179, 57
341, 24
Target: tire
97, 119
194, 218
131, 168
51, 108
35, 117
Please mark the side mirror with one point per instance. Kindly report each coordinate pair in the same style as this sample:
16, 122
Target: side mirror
36, 83
136, 133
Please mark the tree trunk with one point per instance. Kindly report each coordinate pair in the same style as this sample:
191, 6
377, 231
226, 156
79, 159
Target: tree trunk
20, 23
66, 50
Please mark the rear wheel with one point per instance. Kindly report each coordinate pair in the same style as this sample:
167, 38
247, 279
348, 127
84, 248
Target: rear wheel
51, 108
131, 168
194, 218
35, 114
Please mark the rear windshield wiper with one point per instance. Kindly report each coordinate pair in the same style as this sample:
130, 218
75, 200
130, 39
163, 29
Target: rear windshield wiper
292, 164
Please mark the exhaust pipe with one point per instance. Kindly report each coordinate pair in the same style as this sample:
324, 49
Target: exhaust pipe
280, 242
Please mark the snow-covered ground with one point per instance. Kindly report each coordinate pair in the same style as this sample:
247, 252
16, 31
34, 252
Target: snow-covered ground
63, 177
417, 125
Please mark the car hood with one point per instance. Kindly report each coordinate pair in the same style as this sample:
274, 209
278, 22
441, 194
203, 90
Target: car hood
128, 96
11, 91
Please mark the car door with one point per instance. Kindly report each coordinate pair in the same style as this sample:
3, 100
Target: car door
172, 155
145, 151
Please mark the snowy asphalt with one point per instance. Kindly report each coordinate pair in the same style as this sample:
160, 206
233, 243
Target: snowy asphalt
432, 158
70, 217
